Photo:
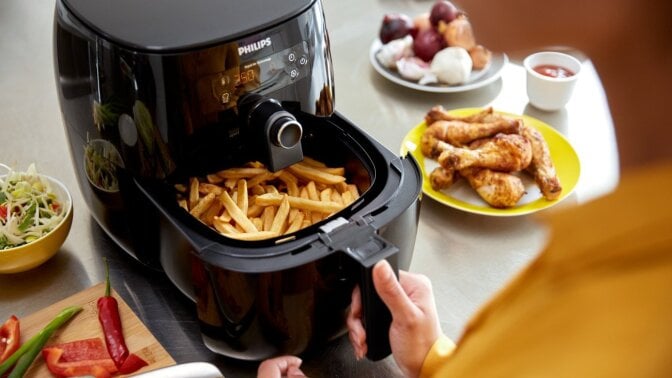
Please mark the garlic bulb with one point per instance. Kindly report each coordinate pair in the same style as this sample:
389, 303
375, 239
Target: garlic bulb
452, 65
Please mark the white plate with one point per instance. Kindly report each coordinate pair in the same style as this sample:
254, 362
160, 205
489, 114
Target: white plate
477, 78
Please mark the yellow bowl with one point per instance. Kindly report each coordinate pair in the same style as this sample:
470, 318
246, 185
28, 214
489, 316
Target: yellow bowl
29, 256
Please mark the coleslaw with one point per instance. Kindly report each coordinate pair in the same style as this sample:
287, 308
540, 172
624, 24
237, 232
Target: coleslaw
29, 208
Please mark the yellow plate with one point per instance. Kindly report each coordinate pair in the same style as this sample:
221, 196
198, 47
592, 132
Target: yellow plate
461, 196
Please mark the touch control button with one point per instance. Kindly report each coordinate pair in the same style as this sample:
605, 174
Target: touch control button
294, 73
303, 60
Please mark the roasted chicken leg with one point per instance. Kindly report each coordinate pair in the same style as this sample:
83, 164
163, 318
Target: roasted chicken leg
460, 133
541, 167
441, 178
498, 189
503, 152
438, 113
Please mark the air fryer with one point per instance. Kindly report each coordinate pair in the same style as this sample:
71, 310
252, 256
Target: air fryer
213, 86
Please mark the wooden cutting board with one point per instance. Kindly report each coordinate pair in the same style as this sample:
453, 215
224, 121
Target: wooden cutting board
85, 325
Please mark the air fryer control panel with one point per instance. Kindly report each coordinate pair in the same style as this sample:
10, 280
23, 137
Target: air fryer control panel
218, 91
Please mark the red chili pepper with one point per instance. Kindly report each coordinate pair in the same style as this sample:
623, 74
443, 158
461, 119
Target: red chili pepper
79, 358
10, 337
132, 364
3, 212
108, 315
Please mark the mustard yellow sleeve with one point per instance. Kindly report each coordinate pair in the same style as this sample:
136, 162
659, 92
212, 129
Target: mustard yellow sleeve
437, 356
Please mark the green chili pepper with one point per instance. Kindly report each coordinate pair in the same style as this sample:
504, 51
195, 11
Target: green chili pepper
25, 355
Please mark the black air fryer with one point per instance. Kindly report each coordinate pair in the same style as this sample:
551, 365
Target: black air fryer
153, 93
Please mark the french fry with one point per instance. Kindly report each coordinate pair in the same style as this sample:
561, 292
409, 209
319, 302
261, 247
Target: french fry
180, 188
336, 197
291, 182
213, 179
254, 210
251, 236
295, 225
183, 204
311, 173
271, 199
353, 189
233, 209
225, 216
202, 205
342, 187
260, 179
267, 217
255, 164
258, 223
281, 215
212, 211
347, 198
313, 163
230, 183
193, 192
205, 188
292, 215
312, 191
304, 194
325, 195
316, 217
336, 171
241, 199
238, 173
255, 189
224, 227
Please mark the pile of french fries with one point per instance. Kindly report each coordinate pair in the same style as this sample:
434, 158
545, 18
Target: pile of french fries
253, 203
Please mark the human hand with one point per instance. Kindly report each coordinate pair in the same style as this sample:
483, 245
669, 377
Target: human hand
283, 366
415, 323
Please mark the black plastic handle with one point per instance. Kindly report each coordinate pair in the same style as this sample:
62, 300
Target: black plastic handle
376, 318
364, 245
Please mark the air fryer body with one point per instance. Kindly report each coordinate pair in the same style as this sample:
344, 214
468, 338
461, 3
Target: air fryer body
153, 111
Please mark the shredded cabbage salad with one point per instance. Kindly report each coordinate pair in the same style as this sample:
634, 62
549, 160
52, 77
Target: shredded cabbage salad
28, 208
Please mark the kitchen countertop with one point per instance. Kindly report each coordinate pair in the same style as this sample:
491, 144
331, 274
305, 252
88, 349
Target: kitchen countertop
468, 257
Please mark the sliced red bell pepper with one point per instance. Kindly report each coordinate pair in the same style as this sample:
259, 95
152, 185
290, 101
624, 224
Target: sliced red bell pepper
10, 337
79, 358
3, 212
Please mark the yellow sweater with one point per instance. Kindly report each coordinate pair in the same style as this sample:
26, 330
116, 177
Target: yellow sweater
596, 303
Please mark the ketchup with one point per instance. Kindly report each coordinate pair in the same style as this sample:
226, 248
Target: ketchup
552, 70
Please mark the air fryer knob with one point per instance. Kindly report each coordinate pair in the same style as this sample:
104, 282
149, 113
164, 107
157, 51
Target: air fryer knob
274, 130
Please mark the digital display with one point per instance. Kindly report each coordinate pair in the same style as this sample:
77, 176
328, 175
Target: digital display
220, 91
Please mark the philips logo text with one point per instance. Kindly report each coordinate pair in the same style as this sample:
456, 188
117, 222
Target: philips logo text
256, 46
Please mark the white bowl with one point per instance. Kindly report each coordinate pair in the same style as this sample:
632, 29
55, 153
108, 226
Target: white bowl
546, 92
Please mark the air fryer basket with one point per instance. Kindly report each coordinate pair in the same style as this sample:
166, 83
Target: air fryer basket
259, 299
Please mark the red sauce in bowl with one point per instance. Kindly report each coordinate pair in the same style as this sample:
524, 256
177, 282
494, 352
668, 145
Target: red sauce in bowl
552, 70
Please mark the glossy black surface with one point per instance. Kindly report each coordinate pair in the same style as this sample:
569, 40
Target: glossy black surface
176, 25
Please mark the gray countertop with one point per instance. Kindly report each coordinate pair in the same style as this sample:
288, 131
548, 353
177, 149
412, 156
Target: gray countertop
467, 256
